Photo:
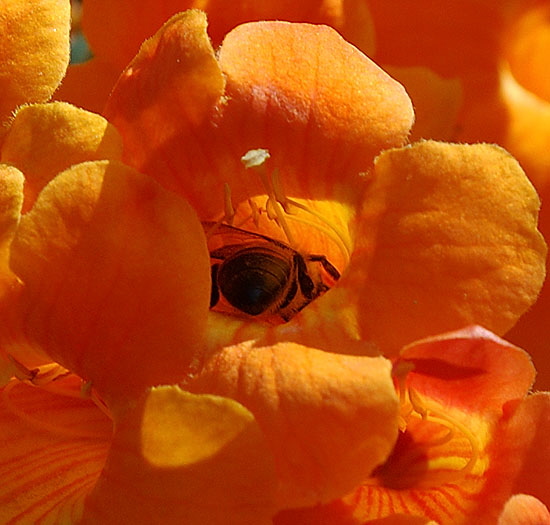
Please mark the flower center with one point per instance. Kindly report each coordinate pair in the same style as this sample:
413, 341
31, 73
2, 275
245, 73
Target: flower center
259, 275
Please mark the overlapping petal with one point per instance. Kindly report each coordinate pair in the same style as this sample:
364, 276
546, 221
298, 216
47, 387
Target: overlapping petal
34, 51
54, 446
458, 459
329, 419
116, 277
182, 458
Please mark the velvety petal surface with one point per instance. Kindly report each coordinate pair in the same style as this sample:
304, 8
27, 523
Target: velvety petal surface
53, 446
447, 237
34, 51
116, 277
182, 458
45, 139
328, 419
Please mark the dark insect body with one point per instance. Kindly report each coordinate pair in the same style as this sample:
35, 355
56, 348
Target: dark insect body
262, 277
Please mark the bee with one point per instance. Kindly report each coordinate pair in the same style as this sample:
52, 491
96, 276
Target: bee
263, 277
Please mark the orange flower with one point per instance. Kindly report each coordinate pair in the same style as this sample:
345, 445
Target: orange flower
468, 441
34, 52
108, 272
427, 238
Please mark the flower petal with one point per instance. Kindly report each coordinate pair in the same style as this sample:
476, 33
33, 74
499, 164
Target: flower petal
322, 124
329, 419
116, 276
447, 237
54, 445
181, 458
45, 139
523, 509
470, 368
34, 51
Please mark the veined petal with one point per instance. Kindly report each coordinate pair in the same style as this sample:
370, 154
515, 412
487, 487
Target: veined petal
34, 51
447, 237
322, 132
329, 419
116, 277
469, 368
54, 445
523, 509
182, 458
45, 139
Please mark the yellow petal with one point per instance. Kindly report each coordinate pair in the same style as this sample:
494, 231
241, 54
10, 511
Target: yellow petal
329, 419
54, 445
34, 51
45, 139
182, 458
116, 276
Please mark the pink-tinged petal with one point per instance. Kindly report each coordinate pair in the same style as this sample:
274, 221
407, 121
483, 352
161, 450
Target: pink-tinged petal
329, 419
471, 368
181, 458
116, 277
53, 446
523, 509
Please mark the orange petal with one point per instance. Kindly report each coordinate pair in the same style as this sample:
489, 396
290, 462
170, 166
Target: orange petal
329, 419
116, 277
45, 139
88, 84
323, 125
447, 238
471, 368
181, 458
34, 51
523, 509
54, 445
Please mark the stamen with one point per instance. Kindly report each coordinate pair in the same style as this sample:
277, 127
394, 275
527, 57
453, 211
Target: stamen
228, 205
434, 415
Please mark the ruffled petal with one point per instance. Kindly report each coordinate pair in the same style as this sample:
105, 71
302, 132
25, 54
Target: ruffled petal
447, 237
54, 445
45, 139
329, 419
34, 51
321, 132
116, 276
181, 458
